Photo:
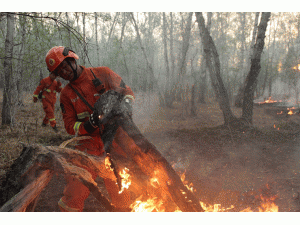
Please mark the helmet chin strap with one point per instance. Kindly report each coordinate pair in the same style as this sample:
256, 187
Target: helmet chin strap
74, 70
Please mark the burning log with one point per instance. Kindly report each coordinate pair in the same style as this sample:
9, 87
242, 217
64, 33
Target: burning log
145, 155
143, 170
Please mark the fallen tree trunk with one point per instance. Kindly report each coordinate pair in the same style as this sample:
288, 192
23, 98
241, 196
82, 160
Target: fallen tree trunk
33, 170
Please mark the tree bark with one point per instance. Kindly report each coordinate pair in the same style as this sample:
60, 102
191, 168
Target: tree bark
8, 71
172, 46
96, 36
185, 47
239, 97
213, 64
84, 39
69, 32
251, 79
153, 79
124, 21
203, 75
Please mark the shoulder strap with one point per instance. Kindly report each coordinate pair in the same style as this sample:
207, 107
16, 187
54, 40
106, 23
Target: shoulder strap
82, 98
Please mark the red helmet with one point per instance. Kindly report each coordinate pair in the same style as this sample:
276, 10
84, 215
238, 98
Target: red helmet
58, 54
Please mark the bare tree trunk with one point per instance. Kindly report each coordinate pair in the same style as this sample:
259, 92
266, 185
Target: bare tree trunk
172, 46
153, 79
167, 99
69, 32
203, 76
7, 98
239, 97
213, 64
84, 39
124, 21
166, 50
19, 83
112, 26
185, 47
96, 36
251, 80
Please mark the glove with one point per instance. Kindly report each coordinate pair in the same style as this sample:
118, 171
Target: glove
35, 99
94, 121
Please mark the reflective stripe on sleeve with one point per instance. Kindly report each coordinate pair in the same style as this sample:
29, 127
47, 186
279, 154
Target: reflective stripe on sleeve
52, 119
83, 115
48, 90
76, 127
35, 96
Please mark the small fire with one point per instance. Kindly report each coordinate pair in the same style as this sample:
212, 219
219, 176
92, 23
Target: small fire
188, 186
152, 204
107, 163
291, 111
214, 208
270, 100
125, 179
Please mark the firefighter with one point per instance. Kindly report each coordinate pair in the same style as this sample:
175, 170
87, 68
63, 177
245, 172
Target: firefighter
49, 87
80, 120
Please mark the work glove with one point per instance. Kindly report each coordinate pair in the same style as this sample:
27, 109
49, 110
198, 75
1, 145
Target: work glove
35, 99
94, 121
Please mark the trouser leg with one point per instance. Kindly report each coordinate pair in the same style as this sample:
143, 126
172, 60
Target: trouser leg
49, 111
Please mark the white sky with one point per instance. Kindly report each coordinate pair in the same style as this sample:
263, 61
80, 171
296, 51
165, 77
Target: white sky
150, 6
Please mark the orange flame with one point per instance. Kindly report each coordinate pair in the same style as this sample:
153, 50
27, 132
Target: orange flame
156, 204
107, 163
126, 181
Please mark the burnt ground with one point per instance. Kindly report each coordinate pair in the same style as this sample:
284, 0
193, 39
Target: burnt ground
226, 166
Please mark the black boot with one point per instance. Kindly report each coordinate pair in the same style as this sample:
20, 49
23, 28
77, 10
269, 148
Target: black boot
43, 124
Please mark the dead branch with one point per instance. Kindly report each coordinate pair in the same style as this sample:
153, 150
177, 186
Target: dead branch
65, 143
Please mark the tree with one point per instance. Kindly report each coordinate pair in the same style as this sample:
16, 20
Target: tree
153, 80
291, 70
204, 71
9, 45
239, 97
251, 79
213, 64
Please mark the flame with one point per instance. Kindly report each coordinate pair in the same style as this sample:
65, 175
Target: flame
188, 186
269, 100
297, 67
268, 205
126, 181
279, 66
152, 203
291, 111
214, 208
107, 163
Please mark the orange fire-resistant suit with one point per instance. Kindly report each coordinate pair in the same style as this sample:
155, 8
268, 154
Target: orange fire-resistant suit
50, 88
75, 112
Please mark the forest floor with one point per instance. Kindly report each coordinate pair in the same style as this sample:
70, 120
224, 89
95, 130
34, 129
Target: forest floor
230, 167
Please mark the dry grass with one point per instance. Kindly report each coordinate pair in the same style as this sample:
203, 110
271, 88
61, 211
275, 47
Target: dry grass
27, 129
